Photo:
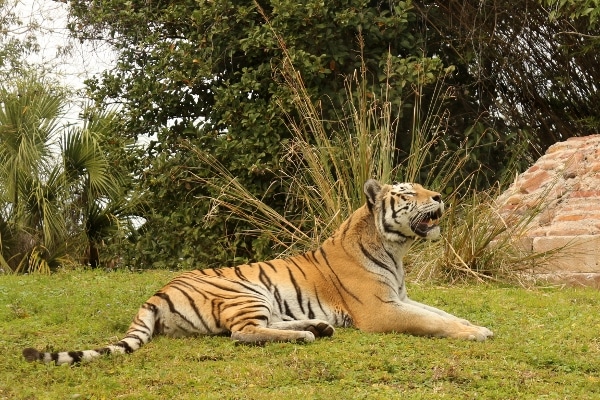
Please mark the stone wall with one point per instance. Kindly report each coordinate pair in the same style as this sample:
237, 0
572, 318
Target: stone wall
565, 183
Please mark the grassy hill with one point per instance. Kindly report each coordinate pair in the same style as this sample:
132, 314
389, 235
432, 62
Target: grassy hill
546, 345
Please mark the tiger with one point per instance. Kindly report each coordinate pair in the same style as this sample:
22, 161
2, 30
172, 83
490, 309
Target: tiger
354, 279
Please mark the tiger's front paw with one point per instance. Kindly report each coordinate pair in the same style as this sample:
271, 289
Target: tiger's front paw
471, 332
478, 333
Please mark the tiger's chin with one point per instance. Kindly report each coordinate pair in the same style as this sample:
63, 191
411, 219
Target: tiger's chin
428, 232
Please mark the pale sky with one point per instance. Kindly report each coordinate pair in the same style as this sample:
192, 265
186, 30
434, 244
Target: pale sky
79, 61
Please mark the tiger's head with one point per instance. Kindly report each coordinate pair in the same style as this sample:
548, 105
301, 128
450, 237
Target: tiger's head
404, 210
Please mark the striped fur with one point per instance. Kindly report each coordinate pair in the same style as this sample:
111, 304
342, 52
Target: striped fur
354, 279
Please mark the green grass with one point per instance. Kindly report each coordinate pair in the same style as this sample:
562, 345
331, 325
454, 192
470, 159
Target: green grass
547, 345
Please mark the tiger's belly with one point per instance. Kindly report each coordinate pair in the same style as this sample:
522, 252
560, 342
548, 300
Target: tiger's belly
212, 305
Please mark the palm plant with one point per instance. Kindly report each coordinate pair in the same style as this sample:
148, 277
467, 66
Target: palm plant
28, 127
94, 200
56, 180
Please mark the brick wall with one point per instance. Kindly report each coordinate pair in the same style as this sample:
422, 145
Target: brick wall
565, 183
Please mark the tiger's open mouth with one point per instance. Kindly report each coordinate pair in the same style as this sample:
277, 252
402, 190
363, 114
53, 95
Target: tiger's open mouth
427, 222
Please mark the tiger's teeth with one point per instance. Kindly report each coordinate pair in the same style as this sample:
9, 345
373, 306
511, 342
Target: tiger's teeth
433, 222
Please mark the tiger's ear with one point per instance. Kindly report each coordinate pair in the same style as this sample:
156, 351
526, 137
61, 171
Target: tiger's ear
372, 189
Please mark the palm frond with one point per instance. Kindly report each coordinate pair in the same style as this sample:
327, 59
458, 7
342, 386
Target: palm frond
30, 114
85, 163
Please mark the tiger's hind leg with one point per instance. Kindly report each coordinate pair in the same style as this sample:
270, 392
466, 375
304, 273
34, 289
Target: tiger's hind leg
261, 335
249, 316
318, 327
285, 331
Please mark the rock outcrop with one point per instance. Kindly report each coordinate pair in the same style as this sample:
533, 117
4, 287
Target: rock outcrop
565, 183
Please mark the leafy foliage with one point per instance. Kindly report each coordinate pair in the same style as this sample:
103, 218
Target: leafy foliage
330, 167
327, 187
587, 9
16, 41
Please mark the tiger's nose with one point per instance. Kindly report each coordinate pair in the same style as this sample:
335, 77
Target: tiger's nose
437, 197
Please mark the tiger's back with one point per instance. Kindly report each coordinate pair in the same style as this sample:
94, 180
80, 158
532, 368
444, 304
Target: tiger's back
355, 278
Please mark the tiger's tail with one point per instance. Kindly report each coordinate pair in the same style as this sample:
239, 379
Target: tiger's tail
139, 333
